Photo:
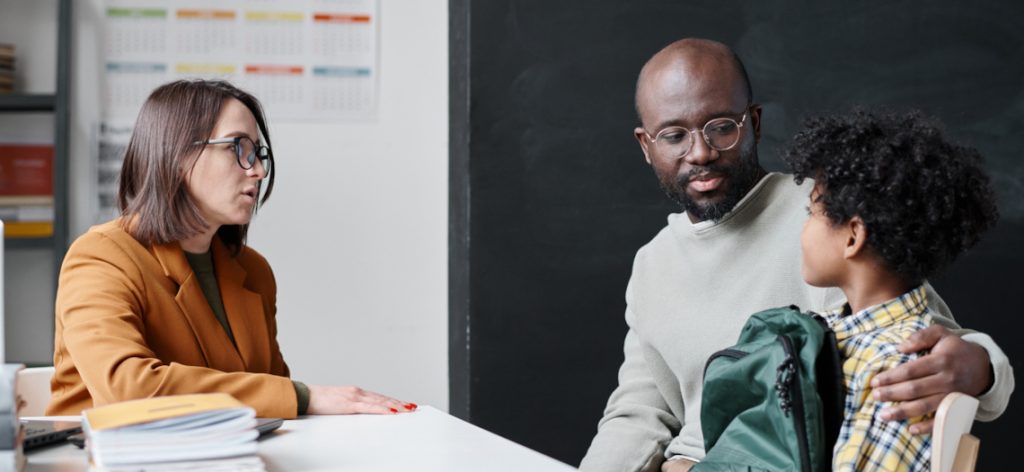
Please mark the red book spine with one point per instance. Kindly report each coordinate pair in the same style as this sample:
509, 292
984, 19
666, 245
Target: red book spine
26, 169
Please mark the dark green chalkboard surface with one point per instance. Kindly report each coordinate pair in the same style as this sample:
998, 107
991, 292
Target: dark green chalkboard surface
550, 196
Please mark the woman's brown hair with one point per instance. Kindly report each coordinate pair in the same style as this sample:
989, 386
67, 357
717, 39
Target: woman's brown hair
154, 200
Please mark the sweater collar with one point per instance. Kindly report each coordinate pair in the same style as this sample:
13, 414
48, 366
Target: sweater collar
746, 201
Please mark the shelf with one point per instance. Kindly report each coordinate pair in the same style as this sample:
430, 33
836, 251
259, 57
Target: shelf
28, 243
22, 102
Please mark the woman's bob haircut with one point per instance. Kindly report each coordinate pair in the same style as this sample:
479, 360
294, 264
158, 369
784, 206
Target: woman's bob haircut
156, 207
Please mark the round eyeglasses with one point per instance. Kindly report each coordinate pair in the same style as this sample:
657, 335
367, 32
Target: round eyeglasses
246, 151
721, 134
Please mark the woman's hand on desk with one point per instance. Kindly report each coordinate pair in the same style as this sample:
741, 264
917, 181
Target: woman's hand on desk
349, 399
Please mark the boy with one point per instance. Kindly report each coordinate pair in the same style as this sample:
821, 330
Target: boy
893, 203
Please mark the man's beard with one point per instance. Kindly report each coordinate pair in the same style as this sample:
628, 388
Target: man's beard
741, 177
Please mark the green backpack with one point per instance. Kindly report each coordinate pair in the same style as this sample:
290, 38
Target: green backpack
774, 401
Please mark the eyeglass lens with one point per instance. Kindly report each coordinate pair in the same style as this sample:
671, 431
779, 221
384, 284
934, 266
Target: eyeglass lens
246, 151
720, 133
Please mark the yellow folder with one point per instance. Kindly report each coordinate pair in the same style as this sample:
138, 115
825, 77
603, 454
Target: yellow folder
132, 412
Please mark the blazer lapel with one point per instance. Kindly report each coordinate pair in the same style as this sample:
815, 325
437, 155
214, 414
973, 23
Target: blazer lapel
244, 309
209, 334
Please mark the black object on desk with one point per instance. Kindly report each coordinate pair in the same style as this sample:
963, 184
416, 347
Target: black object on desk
40, 433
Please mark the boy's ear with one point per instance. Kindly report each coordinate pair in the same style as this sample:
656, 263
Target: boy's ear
856, 238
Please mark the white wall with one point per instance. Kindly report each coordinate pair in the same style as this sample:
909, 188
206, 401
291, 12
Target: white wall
357, 226
356, 229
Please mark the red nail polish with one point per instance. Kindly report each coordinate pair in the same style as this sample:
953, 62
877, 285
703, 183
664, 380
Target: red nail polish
410, 406
393, 410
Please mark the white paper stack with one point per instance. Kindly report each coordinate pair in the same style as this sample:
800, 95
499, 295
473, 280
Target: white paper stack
208, 432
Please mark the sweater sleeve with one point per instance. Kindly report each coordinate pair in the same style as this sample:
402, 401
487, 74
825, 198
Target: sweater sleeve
637, 423
993, 402
302, 396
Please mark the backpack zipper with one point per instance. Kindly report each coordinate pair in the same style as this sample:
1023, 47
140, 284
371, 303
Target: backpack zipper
730, 353
788, 387
833, 413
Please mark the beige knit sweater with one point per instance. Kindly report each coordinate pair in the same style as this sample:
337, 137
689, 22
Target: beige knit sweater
692, 288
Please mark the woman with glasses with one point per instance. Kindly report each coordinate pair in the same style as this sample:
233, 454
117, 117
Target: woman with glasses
168, 299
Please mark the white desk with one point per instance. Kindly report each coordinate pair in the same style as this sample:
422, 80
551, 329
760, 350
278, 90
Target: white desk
427, 440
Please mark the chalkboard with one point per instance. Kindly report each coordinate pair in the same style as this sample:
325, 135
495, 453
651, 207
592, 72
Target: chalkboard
551, 198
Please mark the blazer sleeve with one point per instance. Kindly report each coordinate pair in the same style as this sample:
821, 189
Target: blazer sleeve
993, 402
100, 302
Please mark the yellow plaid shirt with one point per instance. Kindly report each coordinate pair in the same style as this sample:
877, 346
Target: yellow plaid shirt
868, 341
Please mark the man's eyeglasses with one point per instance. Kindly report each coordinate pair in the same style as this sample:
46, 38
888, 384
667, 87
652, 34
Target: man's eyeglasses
721, 134
246, 151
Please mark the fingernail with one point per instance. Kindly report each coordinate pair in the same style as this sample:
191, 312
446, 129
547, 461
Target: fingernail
914, 429
393, 410
886, 415
875, 382
410, 406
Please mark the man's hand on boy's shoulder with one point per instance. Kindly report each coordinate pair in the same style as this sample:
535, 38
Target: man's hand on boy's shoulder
679, 464
953, 365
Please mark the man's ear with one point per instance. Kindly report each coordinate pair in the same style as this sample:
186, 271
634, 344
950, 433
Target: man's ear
640, 136
856, 237
755, 121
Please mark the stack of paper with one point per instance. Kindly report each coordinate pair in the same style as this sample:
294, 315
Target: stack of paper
194, 432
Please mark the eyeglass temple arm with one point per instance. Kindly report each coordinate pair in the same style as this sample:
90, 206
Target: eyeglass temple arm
232, 139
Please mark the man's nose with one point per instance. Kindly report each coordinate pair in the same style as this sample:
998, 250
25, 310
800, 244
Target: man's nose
701, 153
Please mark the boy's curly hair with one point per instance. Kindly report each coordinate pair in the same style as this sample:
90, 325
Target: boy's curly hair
923, 199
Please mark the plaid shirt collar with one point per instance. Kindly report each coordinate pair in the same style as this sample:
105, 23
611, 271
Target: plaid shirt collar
845, 325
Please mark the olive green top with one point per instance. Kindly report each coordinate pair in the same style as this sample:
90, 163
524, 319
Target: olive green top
202, 266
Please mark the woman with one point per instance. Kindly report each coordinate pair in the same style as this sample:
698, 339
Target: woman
168, 299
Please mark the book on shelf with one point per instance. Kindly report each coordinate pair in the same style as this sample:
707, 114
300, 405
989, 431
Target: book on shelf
26, 213
28, 229
26, 200
26, 190
26, 169
6, 68
202, 431
7, 55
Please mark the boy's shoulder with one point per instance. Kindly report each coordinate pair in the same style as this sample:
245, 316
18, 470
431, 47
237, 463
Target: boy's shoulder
892, 335
874, 351
878, 331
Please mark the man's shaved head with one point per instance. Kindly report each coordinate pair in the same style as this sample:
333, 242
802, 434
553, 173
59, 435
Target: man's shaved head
693, 54
683, 87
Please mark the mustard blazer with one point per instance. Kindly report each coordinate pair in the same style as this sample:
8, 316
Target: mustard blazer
132, 322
